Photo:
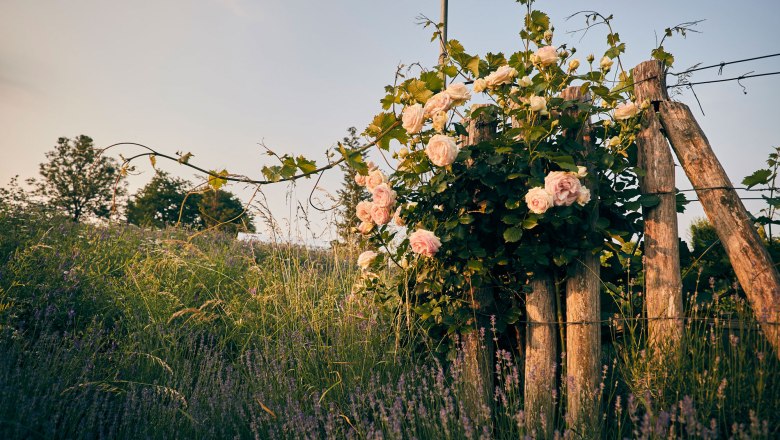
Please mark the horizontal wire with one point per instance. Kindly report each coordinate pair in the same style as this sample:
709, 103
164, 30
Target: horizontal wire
724, 64
649, 319
736, 78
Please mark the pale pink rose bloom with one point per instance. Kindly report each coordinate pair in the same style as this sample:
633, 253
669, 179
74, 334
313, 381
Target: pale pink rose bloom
440, 102
547, 55
442, 150
439, 121
564, 187
365, 227
627, 110
582, 171
397, 219
458, 92
360, 179
381, 215
480, 85
363, 211
538, 104
424, 242
504, 75
538, 200
583, 197
413, 118
375, 177
365, 259
383, 195
525, 81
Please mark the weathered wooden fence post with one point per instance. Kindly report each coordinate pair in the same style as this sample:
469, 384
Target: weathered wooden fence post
663, 282
583, 313
749, 258
540, 356
478, 351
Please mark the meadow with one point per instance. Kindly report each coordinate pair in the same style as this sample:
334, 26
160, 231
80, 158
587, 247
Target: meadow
119, 332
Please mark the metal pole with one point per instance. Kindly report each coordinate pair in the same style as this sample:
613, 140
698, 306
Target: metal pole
443, 40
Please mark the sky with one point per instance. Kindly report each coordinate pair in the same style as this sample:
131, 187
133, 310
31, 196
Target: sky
218, 78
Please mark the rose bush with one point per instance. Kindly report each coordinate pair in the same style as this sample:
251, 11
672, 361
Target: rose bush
556, 181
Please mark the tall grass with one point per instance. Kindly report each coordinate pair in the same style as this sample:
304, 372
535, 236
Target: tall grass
117, 332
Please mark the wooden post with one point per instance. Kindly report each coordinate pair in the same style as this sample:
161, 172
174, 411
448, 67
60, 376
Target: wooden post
749, 258
583, 308
663, 281
540, 356
477, 351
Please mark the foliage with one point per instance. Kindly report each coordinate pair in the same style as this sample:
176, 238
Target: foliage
350, 194
223, 210
79, 180
165, 201
119, 332
477, 205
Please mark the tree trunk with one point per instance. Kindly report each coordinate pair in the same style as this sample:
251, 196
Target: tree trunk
749, 258
663, 282
583, 309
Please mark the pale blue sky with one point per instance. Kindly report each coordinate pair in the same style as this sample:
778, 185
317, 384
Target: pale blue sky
216, 77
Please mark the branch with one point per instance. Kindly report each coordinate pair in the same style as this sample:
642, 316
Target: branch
243, 179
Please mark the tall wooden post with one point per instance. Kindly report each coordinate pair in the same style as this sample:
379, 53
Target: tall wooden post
663, 282
749, 258
540, 356
583, 309
478, 352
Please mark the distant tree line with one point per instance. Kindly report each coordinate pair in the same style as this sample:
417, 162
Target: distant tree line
79, 182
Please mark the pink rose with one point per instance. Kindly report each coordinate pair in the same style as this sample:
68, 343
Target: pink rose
366, 258
360, 179
383, 195
538, 200
458, 93
564, 187
504, 75
381, 215
547, 55
584, 197
440, 102
424, 242
375, 177
626, 110
365, 227
413, 118
363, 211
442, 150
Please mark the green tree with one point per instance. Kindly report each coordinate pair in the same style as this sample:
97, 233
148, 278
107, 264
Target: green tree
78, 180
225, 211
165, 201
350, 194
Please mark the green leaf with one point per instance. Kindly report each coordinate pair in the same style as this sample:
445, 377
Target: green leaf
273, 173
530, 222
305, 165
513, 234
432, 80
759, 177
660, 54
419, 91
354, 159
218, 181
649, 200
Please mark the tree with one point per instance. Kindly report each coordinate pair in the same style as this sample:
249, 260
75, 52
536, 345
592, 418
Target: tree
165, 201
224, 210
350, 194
78, 180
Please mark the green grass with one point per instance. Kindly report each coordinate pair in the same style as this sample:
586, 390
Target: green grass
118, 332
